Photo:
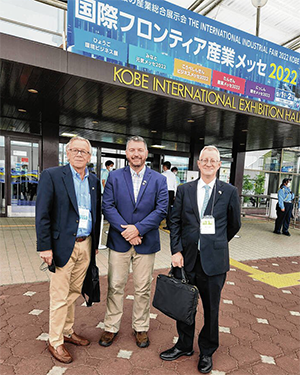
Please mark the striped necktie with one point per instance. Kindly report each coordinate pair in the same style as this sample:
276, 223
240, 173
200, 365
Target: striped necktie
206, 199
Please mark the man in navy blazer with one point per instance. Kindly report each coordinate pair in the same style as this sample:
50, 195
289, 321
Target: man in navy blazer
67, 227
135, 201
205, 217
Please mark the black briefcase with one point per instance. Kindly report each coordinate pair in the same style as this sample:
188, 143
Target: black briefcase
91, 285
176, 298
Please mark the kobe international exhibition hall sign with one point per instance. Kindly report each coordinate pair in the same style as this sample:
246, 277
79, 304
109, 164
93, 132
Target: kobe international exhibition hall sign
160, 47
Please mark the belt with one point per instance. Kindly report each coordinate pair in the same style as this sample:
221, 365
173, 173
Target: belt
81, 239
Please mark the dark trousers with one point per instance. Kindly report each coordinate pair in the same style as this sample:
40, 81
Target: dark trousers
171, 202
210, 288
283, 217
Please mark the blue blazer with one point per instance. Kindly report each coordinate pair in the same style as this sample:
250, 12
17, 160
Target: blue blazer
185, 226
57, 215
150, 209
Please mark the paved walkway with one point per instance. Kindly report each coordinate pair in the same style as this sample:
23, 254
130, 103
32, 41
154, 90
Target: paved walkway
259, 312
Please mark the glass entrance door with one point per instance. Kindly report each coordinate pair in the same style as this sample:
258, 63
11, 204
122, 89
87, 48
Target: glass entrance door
24, 166
2, 176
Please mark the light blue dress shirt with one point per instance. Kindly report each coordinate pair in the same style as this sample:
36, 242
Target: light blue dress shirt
104, 176
83, 197
284, 195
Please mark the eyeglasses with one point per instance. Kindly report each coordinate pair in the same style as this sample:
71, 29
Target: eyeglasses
75, 151
211, 161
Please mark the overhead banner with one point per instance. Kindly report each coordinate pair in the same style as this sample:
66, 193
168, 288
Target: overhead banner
161, 38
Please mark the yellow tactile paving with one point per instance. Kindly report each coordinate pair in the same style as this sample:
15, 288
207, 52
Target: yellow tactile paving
271, 278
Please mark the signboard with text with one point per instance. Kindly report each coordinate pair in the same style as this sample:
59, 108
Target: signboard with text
163, 39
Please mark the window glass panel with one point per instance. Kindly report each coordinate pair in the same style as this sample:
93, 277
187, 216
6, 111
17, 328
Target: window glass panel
2, 175
291, 161
181, 163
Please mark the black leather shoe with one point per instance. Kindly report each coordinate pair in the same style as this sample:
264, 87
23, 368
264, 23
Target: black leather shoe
174, 353
205, 364
276, 232
286, 233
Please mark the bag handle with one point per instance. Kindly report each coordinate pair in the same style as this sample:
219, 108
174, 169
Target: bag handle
184, 279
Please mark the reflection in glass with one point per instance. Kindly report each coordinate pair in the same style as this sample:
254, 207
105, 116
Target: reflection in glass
2, 175
24, 177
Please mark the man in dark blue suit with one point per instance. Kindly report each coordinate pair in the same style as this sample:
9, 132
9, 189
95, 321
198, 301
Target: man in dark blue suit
135, 201
205, 217
67, 227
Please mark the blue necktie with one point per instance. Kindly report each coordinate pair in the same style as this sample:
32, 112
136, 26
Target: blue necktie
206, 199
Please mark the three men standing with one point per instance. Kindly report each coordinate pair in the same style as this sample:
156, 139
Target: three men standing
135, 201
67, 226
205, 217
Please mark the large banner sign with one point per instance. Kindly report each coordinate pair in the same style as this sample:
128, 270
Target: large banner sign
160, 38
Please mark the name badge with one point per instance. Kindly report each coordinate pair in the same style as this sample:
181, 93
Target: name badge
83, 218
207, 225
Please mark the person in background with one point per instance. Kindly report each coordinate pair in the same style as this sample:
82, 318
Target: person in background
67, 228
109, 164
175, 171
205, 217
284, 208
135, 201
172, 187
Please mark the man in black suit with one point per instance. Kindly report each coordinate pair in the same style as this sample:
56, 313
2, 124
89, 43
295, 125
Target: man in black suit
67, 227
205, 217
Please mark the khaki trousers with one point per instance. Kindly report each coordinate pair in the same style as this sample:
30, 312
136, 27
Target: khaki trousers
65, 288
118, 270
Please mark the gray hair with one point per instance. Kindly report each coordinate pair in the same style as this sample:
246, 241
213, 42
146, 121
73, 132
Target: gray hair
77, 138
136, 138
210, 148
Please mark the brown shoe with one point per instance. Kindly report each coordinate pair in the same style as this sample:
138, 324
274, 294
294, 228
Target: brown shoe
60, 353
142, 339
107, 338
77, 340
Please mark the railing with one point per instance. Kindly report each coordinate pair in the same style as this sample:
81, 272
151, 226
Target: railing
13, 24
264, 206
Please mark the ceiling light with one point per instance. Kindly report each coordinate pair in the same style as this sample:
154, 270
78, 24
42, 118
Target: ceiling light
190, 120
68, 135
242, 144
244, 130
259, 3
153, 131
22, 110
122, 107
33, 91
201, 139
158, 146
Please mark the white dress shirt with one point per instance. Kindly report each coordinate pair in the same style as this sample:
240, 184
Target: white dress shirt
201, 192
137, 179
171, 180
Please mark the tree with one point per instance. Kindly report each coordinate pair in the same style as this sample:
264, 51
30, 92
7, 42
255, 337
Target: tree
259, 182
247, 186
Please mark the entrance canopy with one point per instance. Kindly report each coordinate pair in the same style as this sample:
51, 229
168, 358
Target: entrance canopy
107, 103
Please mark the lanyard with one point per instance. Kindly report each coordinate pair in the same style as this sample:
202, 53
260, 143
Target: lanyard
214, 198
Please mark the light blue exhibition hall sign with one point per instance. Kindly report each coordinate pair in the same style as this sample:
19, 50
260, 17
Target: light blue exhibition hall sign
154, 35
